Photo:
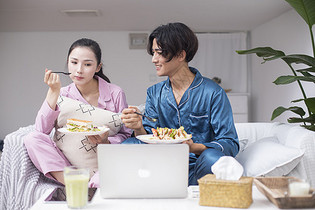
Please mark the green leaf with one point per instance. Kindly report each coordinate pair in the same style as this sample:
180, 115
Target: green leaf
283, 80
279, 110
306, 9
295, 120
299, 59
306, 78
297, 110
311, 69
298, 100
309, 127
310, 103
267, 53
310, 119
306, 74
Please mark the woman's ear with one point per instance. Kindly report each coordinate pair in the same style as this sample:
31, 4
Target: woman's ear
99, 67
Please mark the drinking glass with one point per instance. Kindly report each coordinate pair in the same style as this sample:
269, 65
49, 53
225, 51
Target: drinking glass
298, 187
76, 181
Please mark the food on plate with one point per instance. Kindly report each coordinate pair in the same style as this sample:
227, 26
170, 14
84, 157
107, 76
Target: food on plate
76, 125
170, 133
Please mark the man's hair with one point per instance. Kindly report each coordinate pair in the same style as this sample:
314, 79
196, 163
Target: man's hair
173, 38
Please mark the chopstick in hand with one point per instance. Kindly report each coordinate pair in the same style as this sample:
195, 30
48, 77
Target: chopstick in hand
149, 118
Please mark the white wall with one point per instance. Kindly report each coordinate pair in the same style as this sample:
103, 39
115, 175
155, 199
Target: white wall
288, 33
24, 56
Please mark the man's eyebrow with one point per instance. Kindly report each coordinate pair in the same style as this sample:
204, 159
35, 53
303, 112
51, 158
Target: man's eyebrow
157, 49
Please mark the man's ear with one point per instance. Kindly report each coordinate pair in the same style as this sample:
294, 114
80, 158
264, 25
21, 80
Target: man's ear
182, 55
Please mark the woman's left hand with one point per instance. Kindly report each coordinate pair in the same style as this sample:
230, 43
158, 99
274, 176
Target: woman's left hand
99, 139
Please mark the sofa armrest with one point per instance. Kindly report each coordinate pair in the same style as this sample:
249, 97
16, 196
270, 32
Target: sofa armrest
290, 135
301, 138
21, 183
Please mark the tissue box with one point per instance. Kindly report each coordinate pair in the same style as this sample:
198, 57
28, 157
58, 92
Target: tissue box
225, 193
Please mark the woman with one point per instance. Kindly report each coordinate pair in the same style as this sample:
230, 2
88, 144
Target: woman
89, 86
186, 99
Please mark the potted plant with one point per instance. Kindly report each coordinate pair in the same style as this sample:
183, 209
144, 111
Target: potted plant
306, 9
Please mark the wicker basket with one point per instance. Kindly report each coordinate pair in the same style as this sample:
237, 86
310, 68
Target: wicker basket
225, 193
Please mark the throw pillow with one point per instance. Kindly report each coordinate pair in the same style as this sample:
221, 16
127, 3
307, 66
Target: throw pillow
243, 143
77, 148
266, 157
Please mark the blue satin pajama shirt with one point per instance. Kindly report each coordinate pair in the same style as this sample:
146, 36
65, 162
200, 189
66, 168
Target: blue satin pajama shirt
204, 111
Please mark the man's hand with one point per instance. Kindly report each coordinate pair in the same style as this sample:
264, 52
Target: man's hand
195, 147
132, 120
100, 139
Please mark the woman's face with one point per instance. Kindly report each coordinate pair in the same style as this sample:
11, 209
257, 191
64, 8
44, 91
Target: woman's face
163, 68
82, 65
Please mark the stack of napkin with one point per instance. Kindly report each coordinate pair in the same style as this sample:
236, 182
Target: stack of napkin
227, 168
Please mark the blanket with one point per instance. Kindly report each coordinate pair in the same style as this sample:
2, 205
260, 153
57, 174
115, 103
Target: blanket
21, 183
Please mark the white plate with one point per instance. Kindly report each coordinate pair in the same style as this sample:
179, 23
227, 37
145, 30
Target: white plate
88, 133
148, 138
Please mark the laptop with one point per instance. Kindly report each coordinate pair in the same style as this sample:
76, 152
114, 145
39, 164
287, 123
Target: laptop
143, 170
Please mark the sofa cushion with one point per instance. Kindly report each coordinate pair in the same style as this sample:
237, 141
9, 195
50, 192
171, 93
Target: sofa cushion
267, 157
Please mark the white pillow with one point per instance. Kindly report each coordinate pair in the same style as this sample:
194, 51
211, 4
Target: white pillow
77, 148
243, 144
269, 158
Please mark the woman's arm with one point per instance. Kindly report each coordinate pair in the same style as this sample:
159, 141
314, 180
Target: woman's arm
53, 81
49, 111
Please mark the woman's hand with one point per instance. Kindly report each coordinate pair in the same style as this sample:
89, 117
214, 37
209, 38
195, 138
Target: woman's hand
132, 120
195, 147
100, 139
53, 81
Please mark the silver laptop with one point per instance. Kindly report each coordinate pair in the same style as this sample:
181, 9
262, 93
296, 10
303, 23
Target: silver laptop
143, 170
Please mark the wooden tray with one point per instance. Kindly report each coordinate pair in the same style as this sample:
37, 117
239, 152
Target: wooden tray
276, 190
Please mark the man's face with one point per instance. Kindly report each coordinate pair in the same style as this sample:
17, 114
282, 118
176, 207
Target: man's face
163, 68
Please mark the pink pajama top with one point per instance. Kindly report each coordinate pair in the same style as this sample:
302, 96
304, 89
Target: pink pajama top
111, 97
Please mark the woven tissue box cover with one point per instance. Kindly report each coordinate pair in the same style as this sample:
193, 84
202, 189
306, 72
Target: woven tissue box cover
225, 193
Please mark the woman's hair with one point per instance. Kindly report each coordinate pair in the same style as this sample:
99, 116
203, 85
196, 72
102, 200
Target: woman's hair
93, 45
173, 38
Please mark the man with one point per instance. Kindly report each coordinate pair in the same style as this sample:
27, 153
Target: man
186, 99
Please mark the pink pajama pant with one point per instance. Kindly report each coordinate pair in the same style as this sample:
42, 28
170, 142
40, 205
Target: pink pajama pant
47, 157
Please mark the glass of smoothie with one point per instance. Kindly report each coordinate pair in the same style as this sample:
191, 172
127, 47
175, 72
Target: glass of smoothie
76, 181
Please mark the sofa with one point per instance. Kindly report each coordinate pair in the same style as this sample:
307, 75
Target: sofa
266, 149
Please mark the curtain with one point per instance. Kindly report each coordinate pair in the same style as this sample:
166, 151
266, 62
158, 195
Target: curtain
216, 57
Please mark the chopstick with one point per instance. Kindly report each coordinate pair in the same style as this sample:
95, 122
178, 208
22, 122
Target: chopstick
149, 118
61, 72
